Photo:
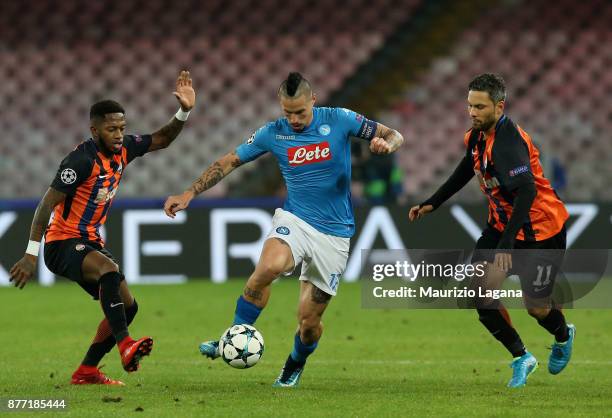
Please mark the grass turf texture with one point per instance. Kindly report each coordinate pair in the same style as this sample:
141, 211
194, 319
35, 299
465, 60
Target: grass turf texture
369, 362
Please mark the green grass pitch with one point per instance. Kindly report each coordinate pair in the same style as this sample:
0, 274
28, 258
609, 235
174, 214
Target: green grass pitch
369, 362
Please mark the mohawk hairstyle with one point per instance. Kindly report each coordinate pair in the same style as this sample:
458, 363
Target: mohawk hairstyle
294, 86
100, 109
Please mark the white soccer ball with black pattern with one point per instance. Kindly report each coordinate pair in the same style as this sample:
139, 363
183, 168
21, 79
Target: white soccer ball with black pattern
241, 346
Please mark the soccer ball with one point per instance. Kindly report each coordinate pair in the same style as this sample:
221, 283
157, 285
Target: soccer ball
241, 346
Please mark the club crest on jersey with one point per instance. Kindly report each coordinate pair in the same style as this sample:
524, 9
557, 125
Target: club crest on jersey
309, 154
68, 176
283, 230
487, 183
324, 130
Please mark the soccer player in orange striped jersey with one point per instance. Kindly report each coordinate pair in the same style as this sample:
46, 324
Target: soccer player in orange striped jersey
525, 214
80, 197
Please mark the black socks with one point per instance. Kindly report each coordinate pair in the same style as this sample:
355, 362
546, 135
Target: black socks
112, 305
104, 341
290, 366
492, 318
555, 324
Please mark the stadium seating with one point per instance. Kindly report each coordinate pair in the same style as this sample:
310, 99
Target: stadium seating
56, 58
555, 61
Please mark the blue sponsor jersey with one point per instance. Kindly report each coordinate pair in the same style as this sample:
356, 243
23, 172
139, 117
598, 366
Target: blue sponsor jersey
316, 165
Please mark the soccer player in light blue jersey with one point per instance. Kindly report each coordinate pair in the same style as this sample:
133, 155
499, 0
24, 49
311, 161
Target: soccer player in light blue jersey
312, 147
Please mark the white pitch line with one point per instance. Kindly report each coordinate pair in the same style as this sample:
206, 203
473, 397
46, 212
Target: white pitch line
199, 363
444, 362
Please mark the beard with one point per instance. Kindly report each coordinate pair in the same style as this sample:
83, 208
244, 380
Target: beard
484, 126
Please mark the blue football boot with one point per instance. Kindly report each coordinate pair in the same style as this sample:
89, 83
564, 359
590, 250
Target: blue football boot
290, 375
522, 367
561, 352
210, 349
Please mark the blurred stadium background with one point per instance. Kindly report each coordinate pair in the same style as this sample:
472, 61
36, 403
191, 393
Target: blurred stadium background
404, 62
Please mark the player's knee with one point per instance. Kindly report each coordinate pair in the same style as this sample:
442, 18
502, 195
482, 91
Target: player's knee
271, 269
483, 305
538, 313
109, 279
108, 267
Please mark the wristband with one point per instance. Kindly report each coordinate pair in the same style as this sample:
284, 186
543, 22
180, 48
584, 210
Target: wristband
182, 115
33, 248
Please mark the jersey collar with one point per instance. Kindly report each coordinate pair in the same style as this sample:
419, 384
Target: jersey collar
313, 122
102, 152
499, 122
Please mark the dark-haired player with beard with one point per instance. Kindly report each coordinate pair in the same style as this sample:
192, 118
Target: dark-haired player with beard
312, 147
80, 197
525, 214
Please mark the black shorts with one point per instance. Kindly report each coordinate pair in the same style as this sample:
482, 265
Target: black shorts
65, 258
536, 263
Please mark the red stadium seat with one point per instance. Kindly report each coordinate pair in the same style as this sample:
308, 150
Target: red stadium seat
539, 56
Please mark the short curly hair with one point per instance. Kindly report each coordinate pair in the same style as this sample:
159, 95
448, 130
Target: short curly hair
100, 109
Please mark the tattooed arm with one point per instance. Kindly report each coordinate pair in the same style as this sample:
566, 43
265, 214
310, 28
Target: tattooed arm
211, 176
24, 269
165, 135
386, 140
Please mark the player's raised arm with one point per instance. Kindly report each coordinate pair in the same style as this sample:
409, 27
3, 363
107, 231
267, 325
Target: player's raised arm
386, 140
185, 94
23, 270
211, 176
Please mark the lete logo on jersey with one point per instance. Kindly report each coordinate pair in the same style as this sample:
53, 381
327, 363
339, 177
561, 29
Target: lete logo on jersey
309, 154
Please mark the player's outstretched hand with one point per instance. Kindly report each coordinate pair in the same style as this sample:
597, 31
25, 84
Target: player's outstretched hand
418, 211
503, 261
184, 91
177, 203
23, 270
379, 146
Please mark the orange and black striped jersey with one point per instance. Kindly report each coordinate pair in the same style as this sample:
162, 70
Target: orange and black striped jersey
503, 160
90, 179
